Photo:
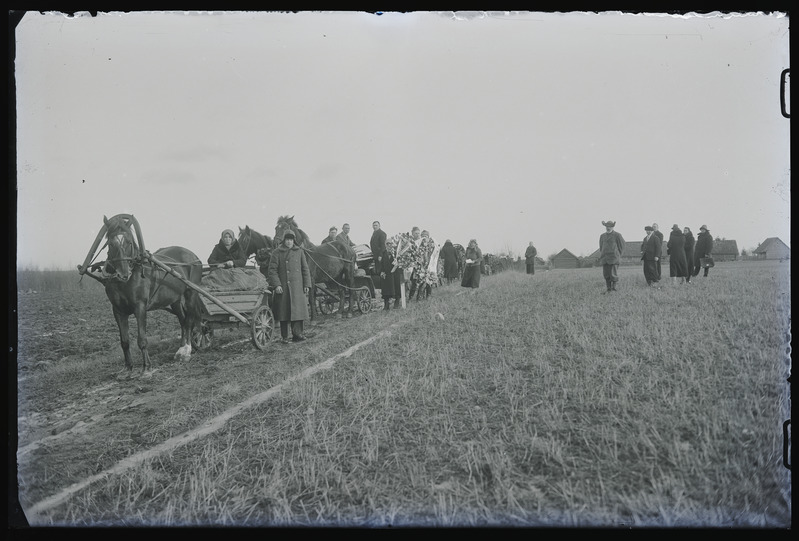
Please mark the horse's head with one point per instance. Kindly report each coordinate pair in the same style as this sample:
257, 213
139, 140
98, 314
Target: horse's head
122, 250
286, 223
251, 241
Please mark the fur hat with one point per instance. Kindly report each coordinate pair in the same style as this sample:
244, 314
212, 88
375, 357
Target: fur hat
609, 223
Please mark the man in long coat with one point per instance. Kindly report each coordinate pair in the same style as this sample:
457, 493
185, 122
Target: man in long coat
529, 258
703, 248
450, 256
651, 249
611, 246
690, 241
659, 235
289, 271
377, 243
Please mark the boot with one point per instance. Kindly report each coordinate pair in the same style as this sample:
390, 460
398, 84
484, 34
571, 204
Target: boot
387, 304
613, 286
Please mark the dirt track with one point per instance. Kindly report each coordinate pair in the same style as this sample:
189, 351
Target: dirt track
80, 413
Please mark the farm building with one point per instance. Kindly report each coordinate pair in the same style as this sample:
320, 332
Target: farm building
725, 250
772, 248
565, 260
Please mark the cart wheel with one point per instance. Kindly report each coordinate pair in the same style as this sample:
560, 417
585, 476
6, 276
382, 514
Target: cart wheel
202, 337
263, 323
364, 299
327, 306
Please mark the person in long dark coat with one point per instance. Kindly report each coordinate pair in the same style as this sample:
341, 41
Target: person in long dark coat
611, 246
689, 252
658, 234
650, 254
289, 271
471, 272
377, 243
391, 276
227, 253
529, 258
450, 256
703, 248
675, 248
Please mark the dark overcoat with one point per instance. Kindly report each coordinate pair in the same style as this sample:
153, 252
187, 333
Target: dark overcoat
377, 243
704, 244
529, 255
390, 285
689, 248
652, 248
289, 269
611, 246
221, 253
450, 256
678, 265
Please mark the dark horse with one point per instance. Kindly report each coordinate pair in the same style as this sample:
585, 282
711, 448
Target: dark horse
135, 284
333, 263
254, 243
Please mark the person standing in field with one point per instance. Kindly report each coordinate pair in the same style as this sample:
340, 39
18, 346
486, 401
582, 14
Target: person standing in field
227, 253
529, 258
331, 235
703, 248
391, 275
611, 246
689, 252
650, 254
416, 241
289, 270
659, 235
450, 256
377, 243
471, 272
675, 248
344, 236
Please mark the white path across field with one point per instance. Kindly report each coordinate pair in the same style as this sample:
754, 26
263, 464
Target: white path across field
209, 427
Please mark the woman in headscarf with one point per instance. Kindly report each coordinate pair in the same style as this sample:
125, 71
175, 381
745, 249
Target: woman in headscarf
227, 253
450, 257
471, 273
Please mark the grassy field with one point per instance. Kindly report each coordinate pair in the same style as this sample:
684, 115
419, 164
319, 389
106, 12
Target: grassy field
536, 401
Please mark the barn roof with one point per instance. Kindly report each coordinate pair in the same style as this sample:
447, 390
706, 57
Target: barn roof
769, 244
566, 253
725, 247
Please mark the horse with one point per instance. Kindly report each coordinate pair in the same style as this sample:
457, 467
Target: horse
333, 263
135, 285
254, 243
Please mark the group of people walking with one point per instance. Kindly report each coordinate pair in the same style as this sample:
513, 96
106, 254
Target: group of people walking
686, 254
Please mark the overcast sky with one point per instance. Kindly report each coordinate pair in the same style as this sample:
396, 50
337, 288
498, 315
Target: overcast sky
504, 127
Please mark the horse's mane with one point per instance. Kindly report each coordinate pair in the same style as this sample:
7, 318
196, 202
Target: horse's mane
288, 219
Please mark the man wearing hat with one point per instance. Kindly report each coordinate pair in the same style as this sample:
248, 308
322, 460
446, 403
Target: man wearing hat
288, 268
227, 253
611, 246
702, 248
650, 254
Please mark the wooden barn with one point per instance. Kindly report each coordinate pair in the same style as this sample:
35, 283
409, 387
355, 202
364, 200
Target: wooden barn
725, 250
565, 260
772, 248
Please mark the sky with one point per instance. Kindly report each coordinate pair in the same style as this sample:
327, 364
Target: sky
505, 127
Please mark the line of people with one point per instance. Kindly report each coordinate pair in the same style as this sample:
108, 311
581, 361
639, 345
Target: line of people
686, 254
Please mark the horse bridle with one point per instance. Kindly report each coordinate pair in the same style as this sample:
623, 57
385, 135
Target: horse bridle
120, 242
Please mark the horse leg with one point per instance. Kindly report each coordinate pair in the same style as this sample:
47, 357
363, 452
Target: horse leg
141, 320
181, 310
124, 340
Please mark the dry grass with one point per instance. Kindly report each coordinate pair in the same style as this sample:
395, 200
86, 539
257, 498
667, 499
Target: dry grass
537, 401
